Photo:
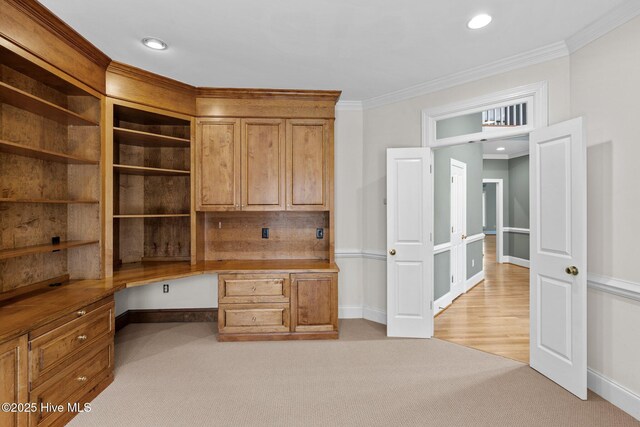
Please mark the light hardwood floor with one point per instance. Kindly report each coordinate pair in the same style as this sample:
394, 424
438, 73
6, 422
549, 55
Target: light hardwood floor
494, 315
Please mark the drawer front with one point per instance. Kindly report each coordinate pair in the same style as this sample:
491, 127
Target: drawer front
253, 288
254, 318
51, 349
69, 385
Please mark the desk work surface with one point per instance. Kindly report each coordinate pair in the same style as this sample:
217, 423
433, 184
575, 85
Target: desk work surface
22, 314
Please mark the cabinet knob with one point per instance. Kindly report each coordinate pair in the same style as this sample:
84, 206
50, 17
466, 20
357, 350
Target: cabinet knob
81, 338
82, 379
253, 319
81, 312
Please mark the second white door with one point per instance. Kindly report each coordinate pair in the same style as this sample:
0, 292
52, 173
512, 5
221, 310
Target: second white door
458, 227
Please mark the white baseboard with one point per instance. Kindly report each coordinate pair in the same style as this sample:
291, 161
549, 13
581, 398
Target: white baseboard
375, 315
350, 312
614, 393
516, 261
474, 280
441, 303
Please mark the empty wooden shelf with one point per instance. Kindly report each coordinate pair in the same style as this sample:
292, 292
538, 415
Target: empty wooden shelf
43, 154
38, 249
147, 171
23, 100
152, 216
47, 201
148, 139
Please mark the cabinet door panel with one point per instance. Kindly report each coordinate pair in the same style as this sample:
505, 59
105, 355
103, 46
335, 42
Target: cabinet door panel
13, 387
263, 164
307, 163
218, 142
314, 302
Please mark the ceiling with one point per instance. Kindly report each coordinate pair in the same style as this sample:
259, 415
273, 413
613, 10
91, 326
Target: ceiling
514, 145
366, 48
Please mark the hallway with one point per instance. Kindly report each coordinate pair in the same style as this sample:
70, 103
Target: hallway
494, 315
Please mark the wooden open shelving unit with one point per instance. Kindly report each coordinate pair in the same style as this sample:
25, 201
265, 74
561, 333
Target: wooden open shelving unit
50, 150
150, 153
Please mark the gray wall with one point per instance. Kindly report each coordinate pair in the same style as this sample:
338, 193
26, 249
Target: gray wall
471, 154
515, 176
517, 243
490, 207
461, 125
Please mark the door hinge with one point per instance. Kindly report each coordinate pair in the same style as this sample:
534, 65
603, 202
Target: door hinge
29, 346
430, 168
451, 179
431, 237
431, 305
451, 279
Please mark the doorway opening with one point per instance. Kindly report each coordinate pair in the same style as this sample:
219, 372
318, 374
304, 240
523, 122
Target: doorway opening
484, 304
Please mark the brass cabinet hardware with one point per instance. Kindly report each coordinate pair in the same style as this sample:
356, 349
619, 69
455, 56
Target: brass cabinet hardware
572, 270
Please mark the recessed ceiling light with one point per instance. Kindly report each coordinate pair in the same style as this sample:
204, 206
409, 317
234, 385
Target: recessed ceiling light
500, 149
154, 43
479, 21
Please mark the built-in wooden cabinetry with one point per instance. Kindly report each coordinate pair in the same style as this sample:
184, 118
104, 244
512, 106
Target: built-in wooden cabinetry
263, 164
113, 177
13, 388
150, 153
264, 191
50, 191
70, 361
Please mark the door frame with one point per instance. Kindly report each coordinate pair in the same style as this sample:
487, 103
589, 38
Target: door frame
536, 97
463, 244
499, 216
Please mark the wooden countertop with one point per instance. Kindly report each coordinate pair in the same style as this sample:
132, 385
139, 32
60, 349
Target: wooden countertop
20, 315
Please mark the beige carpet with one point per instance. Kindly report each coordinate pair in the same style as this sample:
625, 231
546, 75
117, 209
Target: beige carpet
179, 375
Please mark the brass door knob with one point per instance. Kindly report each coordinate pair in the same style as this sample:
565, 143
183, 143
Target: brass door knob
572, 270
392, 252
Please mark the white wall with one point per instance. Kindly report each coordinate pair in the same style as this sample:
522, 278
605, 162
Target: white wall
605, 89
399, 125
189, 292
348, 211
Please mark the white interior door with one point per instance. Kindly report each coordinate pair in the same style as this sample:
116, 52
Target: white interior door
409, 259
458, 227
559, 254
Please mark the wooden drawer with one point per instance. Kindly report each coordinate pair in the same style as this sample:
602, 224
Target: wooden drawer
253, 288
49, 350
70, 385
253, 318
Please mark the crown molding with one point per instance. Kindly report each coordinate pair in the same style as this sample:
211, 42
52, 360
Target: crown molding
43, 16
139, 74
532, 57
253, 93
349, 106
610, 21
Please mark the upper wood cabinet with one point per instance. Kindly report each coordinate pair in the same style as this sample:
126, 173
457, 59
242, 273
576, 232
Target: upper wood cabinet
263, 164
308, 163
218, 164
